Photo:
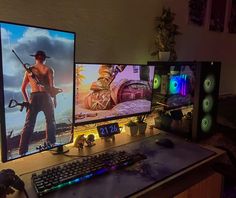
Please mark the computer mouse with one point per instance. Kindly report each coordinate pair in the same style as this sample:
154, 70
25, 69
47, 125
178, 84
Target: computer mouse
165, 142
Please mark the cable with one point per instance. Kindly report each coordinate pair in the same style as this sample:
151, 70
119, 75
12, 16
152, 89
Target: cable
26, 194
75, 155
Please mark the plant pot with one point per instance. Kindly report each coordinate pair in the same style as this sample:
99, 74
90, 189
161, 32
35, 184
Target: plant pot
132, 130
142, 128
165, 122
157, 122
164, 56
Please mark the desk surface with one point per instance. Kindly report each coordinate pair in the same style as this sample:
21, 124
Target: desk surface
161, 164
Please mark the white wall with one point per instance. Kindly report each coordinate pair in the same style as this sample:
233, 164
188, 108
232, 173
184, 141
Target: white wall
122, 30
198, 43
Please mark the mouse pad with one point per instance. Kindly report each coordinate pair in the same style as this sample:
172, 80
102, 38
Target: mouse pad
161, 163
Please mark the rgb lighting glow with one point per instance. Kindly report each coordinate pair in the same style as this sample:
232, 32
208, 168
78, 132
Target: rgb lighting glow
209, 84
207, 103
206, 123
178, 84
78, 180
156, 81
86, 177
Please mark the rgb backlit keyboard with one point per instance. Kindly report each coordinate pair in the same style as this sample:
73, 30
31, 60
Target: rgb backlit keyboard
79, 170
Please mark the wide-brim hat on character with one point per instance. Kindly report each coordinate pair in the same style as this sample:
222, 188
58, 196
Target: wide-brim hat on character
40, 53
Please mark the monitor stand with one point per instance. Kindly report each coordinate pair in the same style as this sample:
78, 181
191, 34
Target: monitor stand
109, 138
60, 150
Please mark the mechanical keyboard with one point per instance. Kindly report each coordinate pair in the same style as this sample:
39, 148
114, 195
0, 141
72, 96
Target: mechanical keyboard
79, 170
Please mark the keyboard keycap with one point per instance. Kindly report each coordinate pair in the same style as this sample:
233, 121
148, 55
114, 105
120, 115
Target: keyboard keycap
80, 170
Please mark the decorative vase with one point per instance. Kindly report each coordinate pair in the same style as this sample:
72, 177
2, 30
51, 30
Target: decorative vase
142, 126
164, 56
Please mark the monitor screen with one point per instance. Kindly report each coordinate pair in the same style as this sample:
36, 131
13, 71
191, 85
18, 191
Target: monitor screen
111, 91
37, 89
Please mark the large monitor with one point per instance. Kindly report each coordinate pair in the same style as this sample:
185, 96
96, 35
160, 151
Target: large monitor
112, 91
37, 89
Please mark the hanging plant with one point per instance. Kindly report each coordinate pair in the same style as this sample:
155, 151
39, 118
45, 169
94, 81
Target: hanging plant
166, 32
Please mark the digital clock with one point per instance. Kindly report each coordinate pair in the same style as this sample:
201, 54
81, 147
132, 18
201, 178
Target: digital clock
108, 130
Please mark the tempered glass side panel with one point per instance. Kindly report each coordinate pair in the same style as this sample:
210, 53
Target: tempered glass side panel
173, 95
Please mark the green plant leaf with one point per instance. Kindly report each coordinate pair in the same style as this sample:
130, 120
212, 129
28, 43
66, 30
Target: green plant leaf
165, 33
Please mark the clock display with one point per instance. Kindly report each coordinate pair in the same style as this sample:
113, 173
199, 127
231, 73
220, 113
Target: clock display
108, 130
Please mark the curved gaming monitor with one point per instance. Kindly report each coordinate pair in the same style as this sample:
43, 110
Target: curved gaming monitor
112, 91
37, 89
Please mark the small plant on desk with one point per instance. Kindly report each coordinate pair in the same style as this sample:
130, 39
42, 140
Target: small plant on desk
142, 126
132, 128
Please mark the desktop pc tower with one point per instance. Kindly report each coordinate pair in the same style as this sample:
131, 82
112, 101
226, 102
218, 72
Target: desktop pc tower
206, 99
185, 96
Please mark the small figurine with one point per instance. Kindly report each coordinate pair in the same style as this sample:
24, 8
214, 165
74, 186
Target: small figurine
79, 142
90, 140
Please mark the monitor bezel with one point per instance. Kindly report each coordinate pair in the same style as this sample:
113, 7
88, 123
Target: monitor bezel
115, 117
4, 155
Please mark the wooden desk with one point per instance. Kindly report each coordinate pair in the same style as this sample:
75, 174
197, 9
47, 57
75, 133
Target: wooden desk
197, 176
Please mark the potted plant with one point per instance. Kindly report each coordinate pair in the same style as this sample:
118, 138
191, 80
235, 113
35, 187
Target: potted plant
132, 128
166, 32
141, 124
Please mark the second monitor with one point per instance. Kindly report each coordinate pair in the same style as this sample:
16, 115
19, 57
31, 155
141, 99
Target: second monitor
112, 91
36, 89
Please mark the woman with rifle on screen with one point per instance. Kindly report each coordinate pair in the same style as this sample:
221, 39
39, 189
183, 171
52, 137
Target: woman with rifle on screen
40, 78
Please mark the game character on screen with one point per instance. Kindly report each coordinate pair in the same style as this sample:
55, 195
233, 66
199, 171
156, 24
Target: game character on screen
100, 97
40, 100
106, 93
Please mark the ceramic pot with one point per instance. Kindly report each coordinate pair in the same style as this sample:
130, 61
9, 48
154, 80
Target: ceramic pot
164, 56
132, 130
142, 128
